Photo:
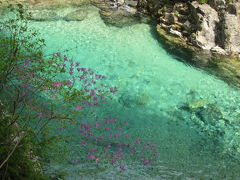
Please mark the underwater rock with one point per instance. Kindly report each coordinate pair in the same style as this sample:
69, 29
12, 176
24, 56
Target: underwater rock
195, 104
44, 15
78, 15
134, 100
119, 17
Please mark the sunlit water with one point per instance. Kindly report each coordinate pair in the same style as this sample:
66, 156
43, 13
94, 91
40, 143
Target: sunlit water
153, 88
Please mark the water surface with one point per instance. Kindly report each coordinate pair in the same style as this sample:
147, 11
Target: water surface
155, 93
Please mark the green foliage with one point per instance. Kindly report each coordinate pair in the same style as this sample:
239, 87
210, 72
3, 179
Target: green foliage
18, 158
22, 163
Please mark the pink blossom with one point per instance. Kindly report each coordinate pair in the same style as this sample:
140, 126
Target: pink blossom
84, 143
92, 93
97, 159
96, 124
146, 162
94, 149
57, 84
65, 58
40, 115
127, 135
77, 64
69, 83
79, 107
90, 156
122, 167
81, 77
114, 160
107, 129
137, 141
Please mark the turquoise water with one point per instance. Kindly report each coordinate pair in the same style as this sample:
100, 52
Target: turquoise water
166, 101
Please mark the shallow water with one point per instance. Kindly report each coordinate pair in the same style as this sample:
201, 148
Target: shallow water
154, 91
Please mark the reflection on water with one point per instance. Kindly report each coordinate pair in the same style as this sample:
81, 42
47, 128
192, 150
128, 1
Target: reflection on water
192, 116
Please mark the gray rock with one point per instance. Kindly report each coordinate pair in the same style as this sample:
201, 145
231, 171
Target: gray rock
218, 50
78, 15
119, 17
217, 4
131, 3
205, 23
231, 32
175, 33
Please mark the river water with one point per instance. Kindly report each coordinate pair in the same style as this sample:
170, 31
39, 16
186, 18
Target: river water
192, 116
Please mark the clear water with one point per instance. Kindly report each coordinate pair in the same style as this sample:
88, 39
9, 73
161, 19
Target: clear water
153, 88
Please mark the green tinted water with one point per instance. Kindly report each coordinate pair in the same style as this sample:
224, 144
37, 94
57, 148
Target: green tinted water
192, 116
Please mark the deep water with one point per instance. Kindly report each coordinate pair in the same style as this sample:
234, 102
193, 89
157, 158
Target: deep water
192, 116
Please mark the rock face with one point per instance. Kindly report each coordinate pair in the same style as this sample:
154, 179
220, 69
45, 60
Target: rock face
231, 29
204, 21
213, 27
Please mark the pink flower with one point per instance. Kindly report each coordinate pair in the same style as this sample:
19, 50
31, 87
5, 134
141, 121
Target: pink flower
107, 129
94, 149
65, 58
40, 115
90, 156
122, 167
137, 141
58, 54
57, 84
92, 93
69, 83
127, 135
81, 77
97, 159
114, 160
96, 124
79, 107
70, 72
84, 143
78, 69
146, 162
77, 64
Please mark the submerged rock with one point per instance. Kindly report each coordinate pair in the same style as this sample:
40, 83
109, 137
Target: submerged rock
78, 15
44, 15
119, 17
130, 101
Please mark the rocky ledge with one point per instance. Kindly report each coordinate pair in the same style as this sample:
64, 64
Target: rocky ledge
208, 32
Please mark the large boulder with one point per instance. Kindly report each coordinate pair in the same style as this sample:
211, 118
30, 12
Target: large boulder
204, 20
